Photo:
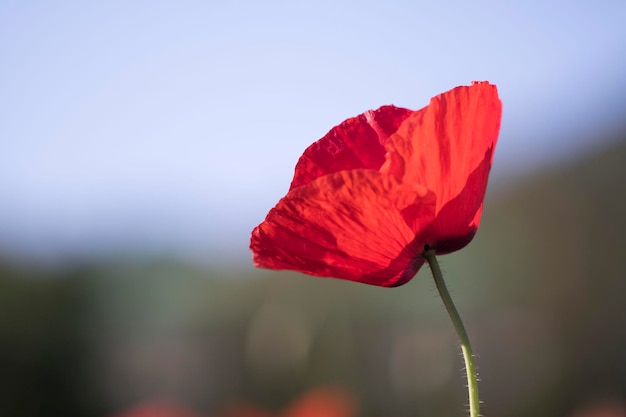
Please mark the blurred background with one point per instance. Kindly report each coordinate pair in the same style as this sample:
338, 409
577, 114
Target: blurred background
140, 143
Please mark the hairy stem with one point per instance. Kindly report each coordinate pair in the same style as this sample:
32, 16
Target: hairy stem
470, 368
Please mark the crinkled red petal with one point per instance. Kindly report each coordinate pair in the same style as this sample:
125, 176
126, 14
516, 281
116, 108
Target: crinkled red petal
357, 225
448, 148
357, 143
457, 221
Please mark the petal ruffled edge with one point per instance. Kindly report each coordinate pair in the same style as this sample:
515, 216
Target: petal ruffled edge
356, 143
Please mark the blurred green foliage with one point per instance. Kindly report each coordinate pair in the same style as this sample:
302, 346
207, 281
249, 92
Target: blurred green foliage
541, 289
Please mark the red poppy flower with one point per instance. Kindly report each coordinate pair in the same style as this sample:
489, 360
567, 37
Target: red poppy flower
327, 401
379, 189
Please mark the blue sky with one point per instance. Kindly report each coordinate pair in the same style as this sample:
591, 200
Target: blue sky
148, 127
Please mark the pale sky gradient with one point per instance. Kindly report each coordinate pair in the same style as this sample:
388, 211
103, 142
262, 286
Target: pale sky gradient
149, 127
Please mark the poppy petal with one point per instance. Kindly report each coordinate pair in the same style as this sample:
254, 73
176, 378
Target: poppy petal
357, 143
448, 147
357, 225
458, 220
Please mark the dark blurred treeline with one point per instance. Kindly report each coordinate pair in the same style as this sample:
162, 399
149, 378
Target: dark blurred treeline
542, 290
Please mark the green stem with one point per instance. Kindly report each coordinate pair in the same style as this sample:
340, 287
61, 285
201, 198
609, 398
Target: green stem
470, 368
